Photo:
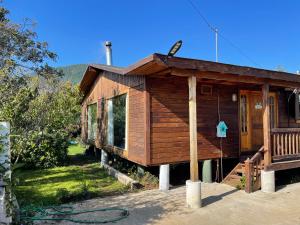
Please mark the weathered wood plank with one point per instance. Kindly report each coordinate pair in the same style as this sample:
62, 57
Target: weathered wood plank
193, 128
266, 125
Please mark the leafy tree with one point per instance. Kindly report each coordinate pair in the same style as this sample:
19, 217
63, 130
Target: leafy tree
42, 109
20, 49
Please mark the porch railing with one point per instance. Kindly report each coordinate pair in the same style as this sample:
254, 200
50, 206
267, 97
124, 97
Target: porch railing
253, 169
285, 143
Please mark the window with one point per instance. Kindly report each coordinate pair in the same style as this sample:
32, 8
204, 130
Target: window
297, 107
92, 121
117, 121
244, 120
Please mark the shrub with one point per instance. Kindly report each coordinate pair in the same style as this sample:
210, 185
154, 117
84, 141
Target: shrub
45, 149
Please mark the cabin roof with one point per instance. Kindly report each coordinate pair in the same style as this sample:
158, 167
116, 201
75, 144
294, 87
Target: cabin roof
158, 63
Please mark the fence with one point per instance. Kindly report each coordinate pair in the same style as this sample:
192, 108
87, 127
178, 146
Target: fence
5, 174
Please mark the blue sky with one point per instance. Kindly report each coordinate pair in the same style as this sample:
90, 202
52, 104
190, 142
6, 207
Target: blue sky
267, 31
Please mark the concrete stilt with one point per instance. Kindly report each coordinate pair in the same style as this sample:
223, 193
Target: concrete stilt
104, 157
164, 177
140, 171
193, 194
268, 181
206, 171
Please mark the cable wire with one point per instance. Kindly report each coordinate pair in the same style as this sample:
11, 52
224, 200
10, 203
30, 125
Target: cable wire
214, 29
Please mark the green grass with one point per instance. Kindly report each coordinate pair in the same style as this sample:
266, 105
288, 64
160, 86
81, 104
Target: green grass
76, 149
82, 179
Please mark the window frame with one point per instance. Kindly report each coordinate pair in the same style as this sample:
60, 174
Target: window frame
110, 139
89, 123
297, 110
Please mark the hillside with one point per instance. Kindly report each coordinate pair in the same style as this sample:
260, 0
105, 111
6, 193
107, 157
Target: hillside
73, 73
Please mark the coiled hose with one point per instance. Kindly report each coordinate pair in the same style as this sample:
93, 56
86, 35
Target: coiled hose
61, 213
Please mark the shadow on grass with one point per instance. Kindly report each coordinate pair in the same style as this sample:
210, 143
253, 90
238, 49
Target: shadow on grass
81, 179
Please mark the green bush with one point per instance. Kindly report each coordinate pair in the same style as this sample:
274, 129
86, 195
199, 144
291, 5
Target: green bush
45, 149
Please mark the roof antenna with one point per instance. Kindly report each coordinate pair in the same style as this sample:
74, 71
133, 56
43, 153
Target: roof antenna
175, 48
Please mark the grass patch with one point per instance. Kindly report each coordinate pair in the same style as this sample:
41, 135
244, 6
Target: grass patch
58, 185
76, 149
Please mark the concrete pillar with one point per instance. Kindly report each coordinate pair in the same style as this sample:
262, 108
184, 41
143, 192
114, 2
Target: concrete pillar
164, 177
268, 181
206, 171
140, 171
193, 194
104, 157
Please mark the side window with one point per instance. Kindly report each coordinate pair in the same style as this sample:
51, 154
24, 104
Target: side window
244, 119
297, 108
116, 133
92, 121
110, 123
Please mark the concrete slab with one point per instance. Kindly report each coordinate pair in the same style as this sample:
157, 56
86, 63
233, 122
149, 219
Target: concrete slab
222, 204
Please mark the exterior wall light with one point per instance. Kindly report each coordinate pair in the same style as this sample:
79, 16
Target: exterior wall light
234, 97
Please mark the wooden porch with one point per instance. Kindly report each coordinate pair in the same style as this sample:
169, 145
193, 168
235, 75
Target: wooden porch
285, 154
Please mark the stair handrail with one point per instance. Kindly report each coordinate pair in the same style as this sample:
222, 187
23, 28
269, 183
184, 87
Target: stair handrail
252, 170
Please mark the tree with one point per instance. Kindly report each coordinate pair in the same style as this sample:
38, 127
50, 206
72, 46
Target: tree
43, 110
20, 49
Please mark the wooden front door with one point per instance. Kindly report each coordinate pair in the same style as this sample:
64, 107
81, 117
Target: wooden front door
251, 124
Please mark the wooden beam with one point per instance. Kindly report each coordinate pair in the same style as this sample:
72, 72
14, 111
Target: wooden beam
283, 165
266, 125
193, 128
236, 78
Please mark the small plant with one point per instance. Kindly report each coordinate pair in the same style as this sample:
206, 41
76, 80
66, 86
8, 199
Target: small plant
149, 181
63, 195
84, 191
243, 182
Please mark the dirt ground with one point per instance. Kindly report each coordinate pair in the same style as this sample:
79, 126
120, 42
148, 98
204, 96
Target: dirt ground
222, 205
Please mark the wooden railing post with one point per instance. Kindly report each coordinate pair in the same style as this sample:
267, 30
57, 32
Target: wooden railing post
248, 175
266, 125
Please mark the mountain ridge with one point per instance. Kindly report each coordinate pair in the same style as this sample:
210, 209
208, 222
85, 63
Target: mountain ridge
73, 72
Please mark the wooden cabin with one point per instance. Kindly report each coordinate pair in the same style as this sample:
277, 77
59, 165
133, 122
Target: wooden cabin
152, 98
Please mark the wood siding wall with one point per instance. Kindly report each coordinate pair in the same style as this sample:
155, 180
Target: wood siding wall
137, 125
169, 133
106, 86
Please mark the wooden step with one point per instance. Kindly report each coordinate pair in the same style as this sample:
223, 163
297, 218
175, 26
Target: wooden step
240, 171
234, 181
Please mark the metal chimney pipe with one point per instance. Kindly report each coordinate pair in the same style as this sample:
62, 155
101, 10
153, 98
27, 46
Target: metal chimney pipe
108, 53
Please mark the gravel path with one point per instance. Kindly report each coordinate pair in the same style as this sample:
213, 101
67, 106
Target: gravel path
222, 205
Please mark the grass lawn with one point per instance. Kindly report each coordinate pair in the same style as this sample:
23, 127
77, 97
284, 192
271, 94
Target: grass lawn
82, 180
76, 149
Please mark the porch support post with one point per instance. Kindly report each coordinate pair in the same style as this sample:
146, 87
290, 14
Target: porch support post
193, 186
267, 177
193, 129
266, 125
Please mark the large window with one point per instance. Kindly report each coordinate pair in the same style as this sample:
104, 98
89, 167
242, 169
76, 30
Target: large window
92, 121
117, 121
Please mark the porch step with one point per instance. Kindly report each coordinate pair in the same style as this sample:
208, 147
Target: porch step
235, 176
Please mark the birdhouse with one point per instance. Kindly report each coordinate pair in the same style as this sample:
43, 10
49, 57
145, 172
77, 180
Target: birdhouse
222, 129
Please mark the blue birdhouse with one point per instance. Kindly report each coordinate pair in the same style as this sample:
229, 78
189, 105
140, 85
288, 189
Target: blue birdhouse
221, 129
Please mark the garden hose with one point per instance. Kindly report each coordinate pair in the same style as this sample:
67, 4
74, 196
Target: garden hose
43, 213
